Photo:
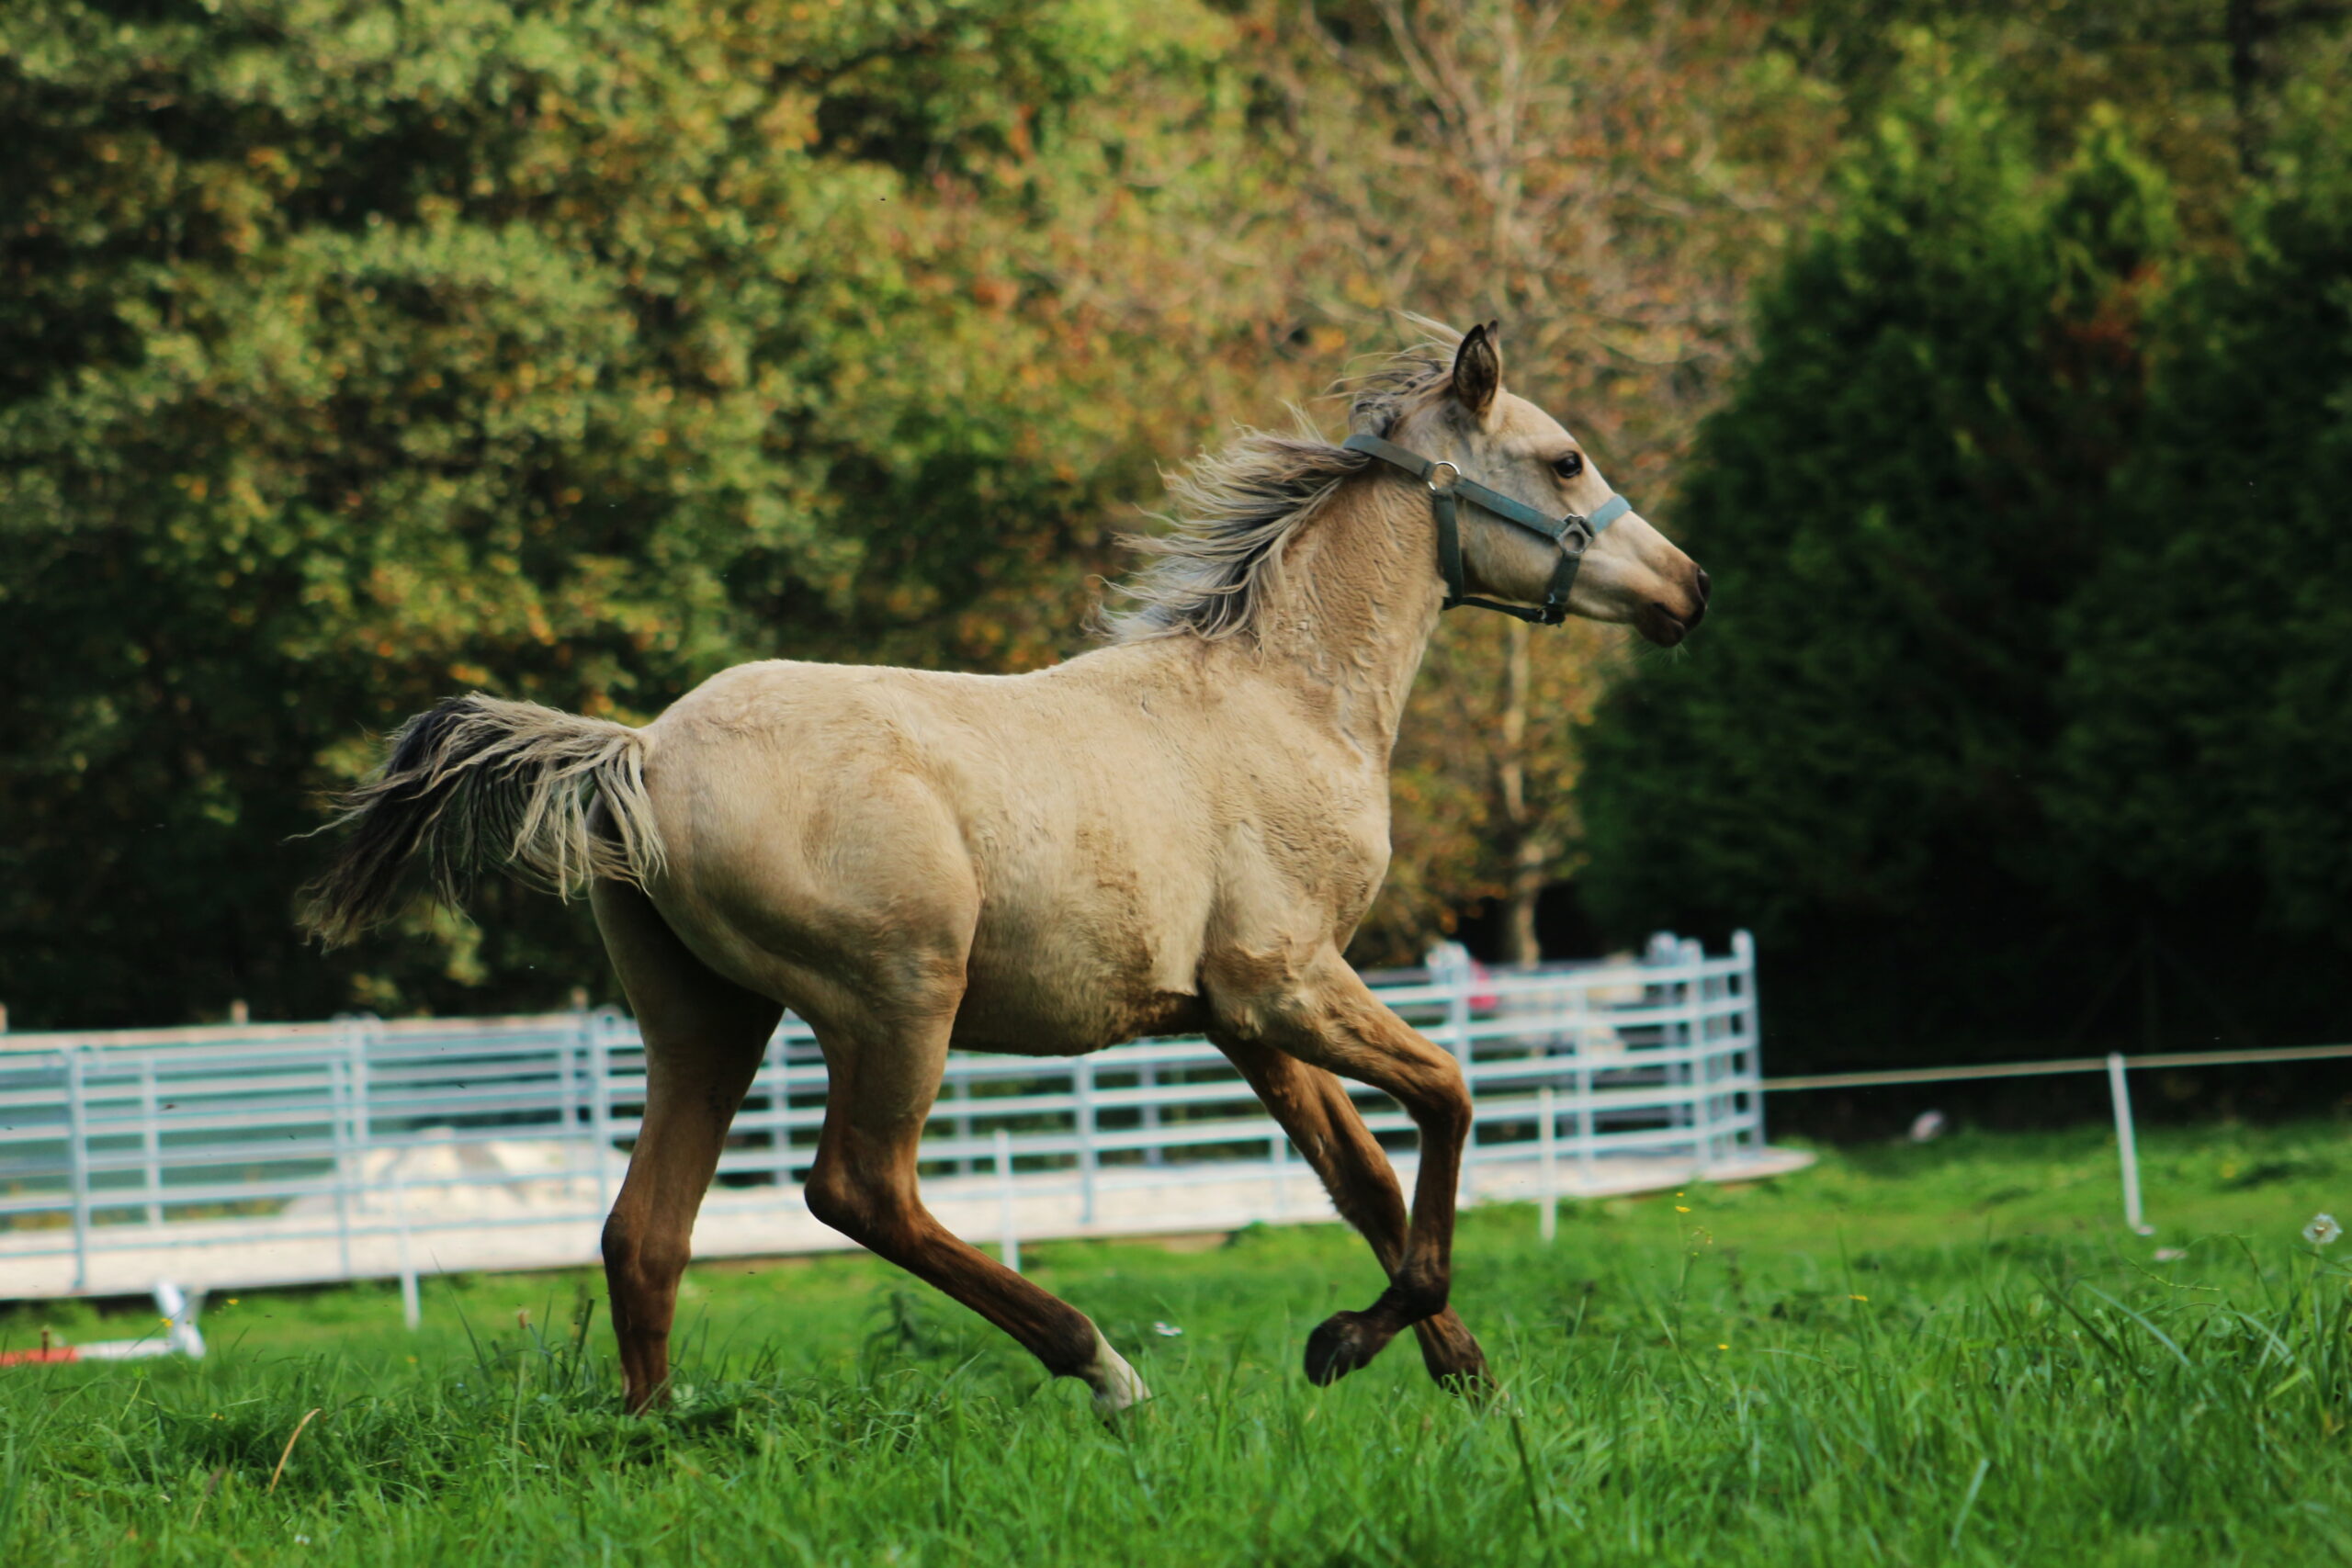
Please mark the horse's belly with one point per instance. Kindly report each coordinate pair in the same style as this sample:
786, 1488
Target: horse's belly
1064, 979
1017, 1019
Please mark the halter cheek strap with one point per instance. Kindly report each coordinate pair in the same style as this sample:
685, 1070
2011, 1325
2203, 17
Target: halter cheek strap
1573, 533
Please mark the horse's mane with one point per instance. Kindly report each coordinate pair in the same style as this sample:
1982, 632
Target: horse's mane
1236, 507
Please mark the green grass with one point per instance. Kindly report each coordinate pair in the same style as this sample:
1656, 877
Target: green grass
1951, 1354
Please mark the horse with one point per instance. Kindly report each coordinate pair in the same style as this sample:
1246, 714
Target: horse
1178, 830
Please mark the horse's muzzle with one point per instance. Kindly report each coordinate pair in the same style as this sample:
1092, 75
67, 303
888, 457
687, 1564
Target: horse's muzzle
1666, 626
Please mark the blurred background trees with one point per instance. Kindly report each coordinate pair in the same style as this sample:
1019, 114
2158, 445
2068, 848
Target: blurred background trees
355, 354
2020, 488
1903, 493
1997, 361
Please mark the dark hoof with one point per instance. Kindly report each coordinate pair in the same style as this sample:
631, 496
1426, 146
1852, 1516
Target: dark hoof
1453, 1357
1473, 1382
1342, 1343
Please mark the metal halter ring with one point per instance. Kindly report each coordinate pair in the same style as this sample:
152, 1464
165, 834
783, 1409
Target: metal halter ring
1430, 479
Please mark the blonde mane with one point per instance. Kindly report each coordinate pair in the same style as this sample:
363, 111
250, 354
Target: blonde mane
1237, 506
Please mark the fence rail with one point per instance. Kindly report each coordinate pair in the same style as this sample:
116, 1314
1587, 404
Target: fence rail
2054, 1067
363, 1147
2116, 1065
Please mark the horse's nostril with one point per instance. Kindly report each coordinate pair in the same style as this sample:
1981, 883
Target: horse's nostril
1700, 572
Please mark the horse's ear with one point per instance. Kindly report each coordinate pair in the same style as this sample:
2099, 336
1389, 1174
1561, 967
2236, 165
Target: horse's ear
1478, 369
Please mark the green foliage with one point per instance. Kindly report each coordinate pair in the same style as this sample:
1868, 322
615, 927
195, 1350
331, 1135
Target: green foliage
2033, 526
1903, 493
357, 354
2210, 674
350, 355
1951, 1353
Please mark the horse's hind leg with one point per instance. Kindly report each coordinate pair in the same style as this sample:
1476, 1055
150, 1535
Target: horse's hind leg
1314, 1109
703, 1039
882, 1084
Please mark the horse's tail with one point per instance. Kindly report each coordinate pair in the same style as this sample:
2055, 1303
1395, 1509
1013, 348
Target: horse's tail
478, 781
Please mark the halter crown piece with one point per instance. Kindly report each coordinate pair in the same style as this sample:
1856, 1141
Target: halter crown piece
1572, 533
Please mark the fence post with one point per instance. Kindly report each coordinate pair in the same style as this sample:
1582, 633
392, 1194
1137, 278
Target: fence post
1547, 1140
348, 1105
1011, 1244
151, 1139
77, 1158
1747, 1061
1588, 1123
1664, 948
338, 1124
600, 1103
1148, 1078
1084, 1083
363, 1115
1714, 1065
1449, 965
569, 1067
1718, 1032
411, 1307
2121, 1094
776, 1076
1692, 954
963, 1084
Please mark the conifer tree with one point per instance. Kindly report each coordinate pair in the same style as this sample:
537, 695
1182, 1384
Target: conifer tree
1903, 492
2208, 756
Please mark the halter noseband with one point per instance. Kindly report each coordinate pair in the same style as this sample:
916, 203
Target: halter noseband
1573, 533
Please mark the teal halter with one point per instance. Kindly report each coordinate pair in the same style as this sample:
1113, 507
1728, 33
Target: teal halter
1572, 533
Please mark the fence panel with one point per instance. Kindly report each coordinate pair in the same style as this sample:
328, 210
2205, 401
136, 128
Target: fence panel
365, 1148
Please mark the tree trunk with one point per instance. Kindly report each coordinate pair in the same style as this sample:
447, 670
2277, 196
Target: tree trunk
1523, 837
2253, 72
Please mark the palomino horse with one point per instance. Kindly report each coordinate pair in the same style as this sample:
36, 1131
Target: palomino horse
1177, 831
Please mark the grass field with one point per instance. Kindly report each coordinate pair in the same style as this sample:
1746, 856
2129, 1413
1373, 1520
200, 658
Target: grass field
1946, 1354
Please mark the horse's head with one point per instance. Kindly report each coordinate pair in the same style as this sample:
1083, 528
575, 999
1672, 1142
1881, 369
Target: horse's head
1631, 572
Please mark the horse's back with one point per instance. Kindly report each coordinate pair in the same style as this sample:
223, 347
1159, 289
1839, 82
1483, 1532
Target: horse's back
1048, 832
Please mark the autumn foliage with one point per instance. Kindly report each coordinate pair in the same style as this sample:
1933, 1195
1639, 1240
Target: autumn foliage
355, 354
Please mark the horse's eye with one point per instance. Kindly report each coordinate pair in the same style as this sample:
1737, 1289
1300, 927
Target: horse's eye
1569, 466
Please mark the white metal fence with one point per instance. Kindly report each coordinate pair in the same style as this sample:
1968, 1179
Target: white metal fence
367, 1148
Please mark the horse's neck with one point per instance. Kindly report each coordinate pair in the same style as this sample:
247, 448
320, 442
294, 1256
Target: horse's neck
1350, 615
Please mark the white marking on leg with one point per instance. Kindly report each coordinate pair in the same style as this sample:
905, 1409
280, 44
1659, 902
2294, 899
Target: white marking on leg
1114, 1382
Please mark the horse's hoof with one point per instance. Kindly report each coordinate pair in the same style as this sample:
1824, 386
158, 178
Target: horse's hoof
1340, 1344
1472, 1382
1456, 1364
1116, 1386
1450, 1354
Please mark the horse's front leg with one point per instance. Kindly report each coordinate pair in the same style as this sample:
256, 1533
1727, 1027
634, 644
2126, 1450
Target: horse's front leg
1322, 1014
1314, 1109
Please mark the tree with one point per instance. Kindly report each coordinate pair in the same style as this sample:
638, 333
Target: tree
353, 355
2210, 671
1606, 180
1906, 488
